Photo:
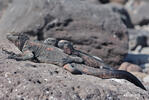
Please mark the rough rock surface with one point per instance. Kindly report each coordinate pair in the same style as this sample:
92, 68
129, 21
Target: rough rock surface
130, 67
28, 80
138, 11
3, 6
145, 67
98, 30
146, 79
138, 38
137, 58
138, 46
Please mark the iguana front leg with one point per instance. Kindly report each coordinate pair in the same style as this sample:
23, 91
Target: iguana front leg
76, 59
26, 55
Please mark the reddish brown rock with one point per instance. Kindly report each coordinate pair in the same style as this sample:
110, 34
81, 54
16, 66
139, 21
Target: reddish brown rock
130, 67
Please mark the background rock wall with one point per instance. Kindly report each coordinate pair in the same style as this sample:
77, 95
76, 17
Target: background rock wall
100, 30
105, 28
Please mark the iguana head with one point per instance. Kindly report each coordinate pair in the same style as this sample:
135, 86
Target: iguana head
18, 39
66, 46
51, 41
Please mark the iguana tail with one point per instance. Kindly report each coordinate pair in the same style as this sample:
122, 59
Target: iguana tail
110, 73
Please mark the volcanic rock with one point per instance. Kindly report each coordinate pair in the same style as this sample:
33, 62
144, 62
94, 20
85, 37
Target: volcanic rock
97, 30
130, 67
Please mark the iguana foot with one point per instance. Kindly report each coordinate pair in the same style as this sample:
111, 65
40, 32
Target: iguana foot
25, 56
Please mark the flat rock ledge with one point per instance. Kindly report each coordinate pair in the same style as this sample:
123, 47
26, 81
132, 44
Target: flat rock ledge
25, 80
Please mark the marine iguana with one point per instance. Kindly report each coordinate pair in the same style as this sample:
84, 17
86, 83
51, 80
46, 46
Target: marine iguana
35, 50
67, 57
95, 66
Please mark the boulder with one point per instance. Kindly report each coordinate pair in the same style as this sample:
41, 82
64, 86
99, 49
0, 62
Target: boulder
122, 12
145, 50
140, 75
97, 30
145, 67
146, 79
138, 11
28, 80
3, 6
130, 67
103, 30
138, 38
137, 58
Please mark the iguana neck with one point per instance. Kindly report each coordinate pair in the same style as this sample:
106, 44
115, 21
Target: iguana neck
21, 42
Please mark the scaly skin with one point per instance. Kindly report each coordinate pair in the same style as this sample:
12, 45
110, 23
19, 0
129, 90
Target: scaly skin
34, 50
104, 73
72, 60
88, 59
95, 66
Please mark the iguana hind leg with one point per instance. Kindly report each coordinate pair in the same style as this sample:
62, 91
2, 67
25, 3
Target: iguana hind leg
72, 59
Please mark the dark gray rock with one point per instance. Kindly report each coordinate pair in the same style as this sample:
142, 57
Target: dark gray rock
3, 6
104, 1
28, 80
137, 58
122, 12
98, 30
138, 38
39, 81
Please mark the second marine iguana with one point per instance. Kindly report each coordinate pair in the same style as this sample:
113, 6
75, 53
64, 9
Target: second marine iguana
95, 66
66, 57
